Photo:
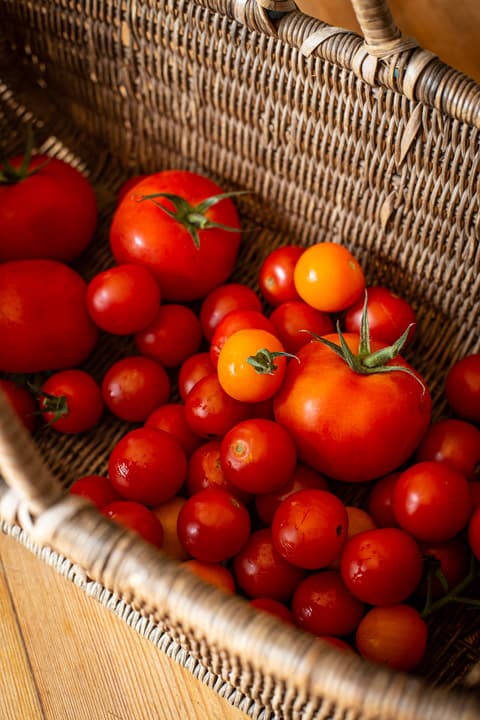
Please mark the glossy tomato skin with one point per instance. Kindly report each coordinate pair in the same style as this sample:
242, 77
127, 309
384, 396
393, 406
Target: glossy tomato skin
213, 573
83, 398
452, 559
143, 233
51, 214
223, 300
168, 512
210, 411
193, 369
303, 478
349, 426
273, 607
389, 315
96, 488
295, 321
275, 278
205, 470
395, 636
171, 418
172, 337
44, 323
136, 517
380, 501
128, 186
454, 442
462, 388
134, 386
22, 401
234, 321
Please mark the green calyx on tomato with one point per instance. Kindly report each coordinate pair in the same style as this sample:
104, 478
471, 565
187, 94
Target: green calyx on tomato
193, 217
263, 362
57, 405
10, 175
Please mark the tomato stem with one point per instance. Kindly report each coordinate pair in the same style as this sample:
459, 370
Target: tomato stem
263, 362
9, 175
454, 594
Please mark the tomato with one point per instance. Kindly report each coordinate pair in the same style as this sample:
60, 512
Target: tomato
275, 278
454, 442
251, 365
136, 517
234, 321
134, 386
273, 607
260, 571
381, 567
309, 528
213, 525
303, 478
328, 277
431, 501
258, 456
96, 488
462, 388
172, 336
193, 369
49, 211
71, 401
168, 512
128, 186
389, 316
474, 533
124, 299
380, 501
171, 418
223, 300
213, 573
322, 605
395, 636
336, 642
22, 401
147, 466
143, 232
44, 323
451, 558
475, 492
210, 412
293, 319
349, 425
205, 470
358, 521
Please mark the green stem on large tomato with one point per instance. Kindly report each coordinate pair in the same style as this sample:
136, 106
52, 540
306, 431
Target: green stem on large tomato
10, 175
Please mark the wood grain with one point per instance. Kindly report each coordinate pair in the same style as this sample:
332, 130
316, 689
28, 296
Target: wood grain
63, 656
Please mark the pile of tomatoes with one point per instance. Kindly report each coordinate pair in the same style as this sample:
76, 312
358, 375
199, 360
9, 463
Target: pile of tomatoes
284, 396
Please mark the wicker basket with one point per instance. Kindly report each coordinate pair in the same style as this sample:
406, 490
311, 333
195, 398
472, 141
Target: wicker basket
374, 144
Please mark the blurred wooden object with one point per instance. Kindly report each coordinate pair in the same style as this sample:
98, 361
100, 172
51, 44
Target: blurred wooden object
449, 29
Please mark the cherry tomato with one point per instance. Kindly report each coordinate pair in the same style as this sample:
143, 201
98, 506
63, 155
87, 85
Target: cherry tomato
213, 573
328, 277
309, 528
22, 401
71, 401
232, 323
172, 337
223, 300
171, 418
96, 488
454, 442
275, 278
243, 380
193, 369
49, 211
260, 571
205, 470
293, 319
431, 501
381, 567
322, 605
133, 387
44, 323
475, 492
336, 642
395, 636
462, 388
380, 502
168, 512
147, 466
258, 456
210, 412
273, 607
451, 558
213, 525
358, 521
303, 478
143, 232
474, 533
388, 314
123, 299
136, 517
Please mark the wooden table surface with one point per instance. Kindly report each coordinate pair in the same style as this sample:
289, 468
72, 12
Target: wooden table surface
63, 656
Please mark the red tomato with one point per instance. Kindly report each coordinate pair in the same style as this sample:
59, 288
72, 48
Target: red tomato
381, 567
395, 636
475, 492
172, 337
291, 319
44, 323
380, 502
210, 412
474, 533
71, 401
134, 386
454, 442
309, 528
136, 517
462, 388
22, 401
431, 501
213, 525
96, 488
147, 466
193, 369
129, 185
273, 607
451, 558
275, 278
213, 573
260, 571
124, 299
171, 418
223, 300
205, 470
322, 605
358, 521
50, 212
348, 425
234, 321
303, 478
258, 456
389, 316
143, 232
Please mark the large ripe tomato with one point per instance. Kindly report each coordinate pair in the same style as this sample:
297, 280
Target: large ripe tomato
349, 425
44, 323
48, 210
142, 232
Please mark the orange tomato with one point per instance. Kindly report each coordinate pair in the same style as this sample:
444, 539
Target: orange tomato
213, 573
167, 513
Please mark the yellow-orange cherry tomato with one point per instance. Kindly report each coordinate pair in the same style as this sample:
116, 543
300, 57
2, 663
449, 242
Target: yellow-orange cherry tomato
168, 513
237, 375
328, 277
